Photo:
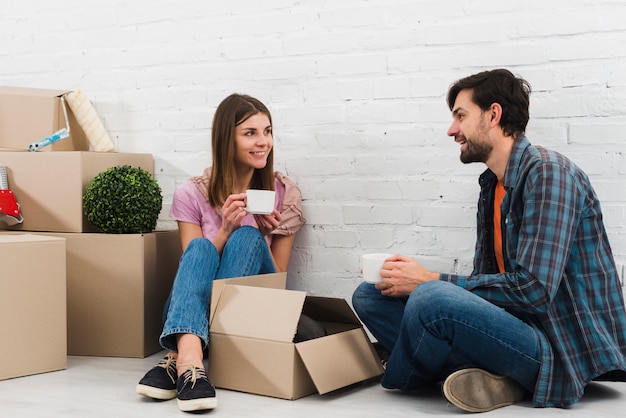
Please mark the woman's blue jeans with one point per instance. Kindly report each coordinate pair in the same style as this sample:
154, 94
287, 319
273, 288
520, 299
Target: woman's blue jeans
187, 310
441, 328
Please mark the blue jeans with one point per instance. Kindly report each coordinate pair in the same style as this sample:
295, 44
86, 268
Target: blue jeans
187, 310
440, 328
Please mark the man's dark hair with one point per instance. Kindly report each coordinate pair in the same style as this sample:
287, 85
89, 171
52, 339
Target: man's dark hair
502, 87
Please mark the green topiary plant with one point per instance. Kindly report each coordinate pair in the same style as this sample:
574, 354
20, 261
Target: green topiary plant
123, 200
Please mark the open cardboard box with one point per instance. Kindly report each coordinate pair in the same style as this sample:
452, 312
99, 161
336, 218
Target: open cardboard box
252, 348
28, 115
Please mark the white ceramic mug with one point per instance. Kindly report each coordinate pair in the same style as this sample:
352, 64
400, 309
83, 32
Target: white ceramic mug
371, 264
260, 202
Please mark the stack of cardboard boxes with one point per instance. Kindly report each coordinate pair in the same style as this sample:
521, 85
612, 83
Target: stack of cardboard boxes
117, 284
114, 286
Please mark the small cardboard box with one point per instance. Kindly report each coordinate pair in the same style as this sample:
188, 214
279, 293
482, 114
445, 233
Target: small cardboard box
32, 305
28, 115
49, 186
117, 285
252, 348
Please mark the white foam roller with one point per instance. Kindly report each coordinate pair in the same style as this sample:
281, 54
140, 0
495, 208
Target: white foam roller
90, 122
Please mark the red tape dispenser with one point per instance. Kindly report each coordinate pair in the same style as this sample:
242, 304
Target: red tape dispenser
9, 208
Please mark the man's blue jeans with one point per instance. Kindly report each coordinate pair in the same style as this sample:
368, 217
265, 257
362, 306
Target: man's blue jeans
441, 328
187, 310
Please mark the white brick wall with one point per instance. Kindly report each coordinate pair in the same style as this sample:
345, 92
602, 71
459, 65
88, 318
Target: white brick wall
357, 90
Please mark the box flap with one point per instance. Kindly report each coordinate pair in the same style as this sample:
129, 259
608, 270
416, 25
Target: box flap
272, 280
29, 91
255, 312
330, 310
339, 360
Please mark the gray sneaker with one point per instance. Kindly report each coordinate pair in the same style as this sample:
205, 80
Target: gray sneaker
476, 390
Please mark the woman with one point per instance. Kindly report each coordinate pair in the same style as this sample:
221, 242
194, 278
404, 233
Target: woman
221, 240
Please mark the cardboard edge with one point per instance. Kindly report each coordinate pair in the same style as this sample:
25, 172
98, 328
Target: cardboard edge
32, 91
272, 280
339, 360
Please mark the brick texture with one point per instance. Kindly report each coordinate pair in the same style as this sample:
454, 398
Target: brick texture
357, 91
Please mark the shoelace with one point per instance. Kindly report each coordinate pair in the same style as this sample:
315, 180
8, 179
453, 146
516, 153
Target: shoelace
193, 374
169, 364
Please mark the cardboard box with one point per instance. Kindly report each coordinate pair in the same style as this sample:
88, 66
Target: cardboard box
117, 285
32, 305
252, 347
49, 186
28, 115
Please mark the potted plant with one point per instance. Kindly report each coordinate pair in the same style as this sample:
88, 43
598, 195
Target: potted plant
123, 200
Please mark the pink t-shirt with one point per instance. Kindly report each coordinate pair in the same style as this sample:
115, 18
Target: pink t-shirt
190, 205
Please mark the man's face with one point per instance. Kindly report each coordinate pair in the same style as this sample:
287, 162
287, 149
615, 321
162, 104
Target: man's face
470, 129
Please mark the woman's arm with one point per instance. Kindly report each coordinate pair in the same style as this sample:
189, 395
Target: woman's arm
281, 250
187, 232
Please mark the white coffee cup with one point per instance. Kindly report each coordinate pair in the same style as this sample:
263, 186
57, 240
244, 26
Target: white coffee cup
371, 264
260, 202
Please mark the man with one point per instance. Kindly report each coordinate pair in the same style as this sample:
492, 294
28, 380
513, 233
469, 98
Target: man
542, 312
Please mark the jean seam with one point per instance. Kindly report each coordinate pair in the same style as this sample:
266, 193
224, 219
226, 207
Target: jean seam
487, 334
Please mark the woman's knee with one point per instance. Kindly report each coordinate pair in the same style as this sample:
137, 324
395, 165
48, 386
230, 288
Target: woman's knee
244, 237
198, 244
200, 249
247, 232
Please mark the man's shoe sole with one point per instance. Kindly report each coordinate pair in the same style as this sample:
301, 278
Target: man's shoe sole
200, 404
476, 390
155, 393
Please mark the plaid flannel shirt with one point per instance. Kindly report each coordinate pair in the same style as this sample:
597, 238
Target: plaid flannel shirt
560, 276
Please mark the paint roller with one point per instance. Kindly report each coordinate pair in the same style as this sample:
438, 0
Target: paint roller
87, 119
9, 208
57, 136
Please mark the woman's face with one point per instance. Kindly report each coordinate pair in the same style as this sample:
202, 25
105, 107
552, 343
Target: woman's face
254, 141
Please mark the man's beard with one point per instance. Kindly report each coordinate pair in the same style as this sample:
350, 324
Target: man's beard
476, 152
479, 148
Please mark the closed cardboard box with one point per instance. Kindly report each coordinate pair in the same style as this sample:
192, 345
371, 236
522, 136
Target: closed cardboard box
49, 186
117, 285
252, 348
32, 305
28, 115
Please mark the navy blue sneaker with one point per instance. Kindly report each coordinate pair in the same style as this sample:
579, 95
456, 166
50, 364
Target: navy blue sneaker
160, 381
195, 391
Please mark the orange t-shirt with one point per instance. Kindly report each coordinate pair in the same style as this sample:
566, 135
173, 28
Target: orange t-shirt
497, 226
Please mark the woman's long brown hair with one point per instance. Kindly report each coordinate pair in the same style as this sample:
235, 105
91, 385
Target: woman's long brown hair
234, 110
